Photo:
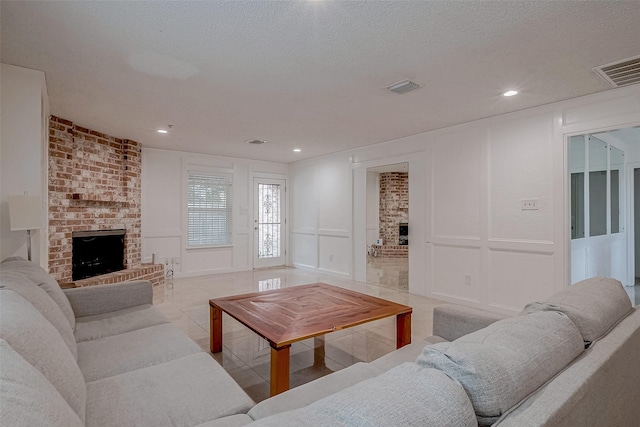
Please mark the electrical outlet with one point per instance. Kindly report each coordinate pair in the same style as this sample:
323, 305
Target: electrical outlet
330, 257
467, 279
529, 204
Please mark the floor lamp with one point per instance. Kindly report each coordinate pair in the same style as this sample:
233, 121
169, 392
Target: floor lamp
25, 213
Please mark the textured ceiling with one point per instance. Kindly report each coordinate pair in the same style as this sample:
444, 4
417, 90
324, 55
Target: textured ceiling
307, 74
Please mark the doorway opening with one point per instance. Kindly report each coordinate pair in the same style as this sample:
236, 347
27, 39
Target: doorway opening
388, 226
604, 181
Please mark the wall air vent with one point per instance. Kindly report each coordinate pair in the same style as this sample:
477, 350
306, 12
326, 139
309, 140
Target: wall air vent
621, 73
256, 141
403, 87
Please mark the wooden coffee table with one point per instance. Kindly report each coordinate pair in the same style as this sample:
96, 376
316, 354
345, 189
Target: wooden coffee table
284, 316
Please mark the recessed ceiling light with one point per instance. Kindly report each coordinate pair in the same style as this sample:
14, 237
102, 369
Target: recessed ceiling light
510, 93
162, 131
297, 150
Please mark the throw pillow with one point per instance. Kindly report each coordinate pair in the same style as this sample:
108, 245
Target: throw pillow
595, 305
500, 365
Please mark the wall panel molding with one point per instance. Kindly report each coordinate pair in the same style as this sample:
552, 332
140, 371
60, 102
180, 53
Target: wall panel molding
332, 232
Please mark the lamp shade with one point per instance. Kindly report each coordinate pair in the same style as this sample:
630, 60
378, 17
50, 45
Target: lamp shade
25, 212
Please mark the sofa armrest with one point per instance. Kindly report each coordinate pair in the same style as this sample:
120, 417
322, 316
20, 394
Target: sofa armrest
453, 321
92, 300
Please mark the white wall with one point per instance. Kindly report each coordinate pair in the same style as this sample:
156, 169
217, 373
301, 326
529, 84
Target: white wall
466, 187
321, 215
636, 238
164, 228
23, 142
373, 207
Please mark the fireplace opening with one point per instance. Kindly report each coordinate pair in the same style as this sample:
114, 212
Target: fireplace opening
403, 233
97, 252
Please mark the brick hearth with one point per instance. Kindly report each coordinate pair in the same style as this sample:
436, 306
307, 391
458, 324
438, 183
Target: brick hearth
151, 272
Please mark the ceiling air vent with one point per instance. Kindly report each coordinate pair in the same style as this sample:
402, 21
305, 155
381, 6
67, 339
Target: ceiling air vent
403, 87
621, 73
256, 141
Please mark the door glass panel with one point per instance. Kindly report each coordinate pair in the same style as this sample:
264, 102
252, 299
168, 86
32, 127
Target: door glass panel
597, 187
576, 168
269, 220
616, 158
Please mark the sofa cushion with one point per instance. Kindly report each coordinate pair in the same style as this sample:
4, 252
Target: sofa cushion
101, 299
595, 305
184, 392
40, 344
28, 290
599, 389
238, 420
408, 353
407, 395
37, 275
133, 350
27, 398
117, 322
315, 390
503, 363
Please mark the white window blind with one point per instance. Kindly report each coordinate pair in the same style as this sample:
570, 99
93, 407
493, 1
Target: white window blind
209, 210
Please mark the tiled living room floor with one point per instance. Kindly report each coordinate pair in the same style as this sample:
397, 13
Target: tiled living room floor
246, 356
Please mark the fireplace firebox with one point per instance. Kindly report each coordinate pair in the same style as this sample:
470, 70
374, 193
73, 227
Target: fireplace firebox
403, 233
97, 252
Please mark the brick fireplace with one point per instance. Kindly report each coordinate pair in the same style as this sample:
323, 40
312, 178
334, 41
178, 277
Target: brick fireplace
394, 210
94, 184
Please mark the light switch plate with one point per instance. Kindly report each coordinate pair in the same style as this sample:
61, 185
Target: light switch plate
529, 204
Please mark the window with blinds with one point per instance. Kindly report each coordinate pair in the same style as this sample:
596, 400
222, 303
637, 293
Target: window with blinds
209, 210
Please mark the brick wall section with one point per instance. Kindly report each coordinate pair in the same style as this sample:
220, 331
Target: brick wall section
394, 209
94, 184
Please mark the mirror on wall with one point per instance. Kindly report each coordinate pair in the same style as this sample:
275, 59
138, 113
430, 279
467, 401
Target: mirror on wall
605, 166
576, 170
616, 161
597, 187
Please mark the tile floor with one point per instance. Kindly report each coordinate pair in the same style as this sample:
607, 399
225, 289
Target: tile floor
246, 356
388, 272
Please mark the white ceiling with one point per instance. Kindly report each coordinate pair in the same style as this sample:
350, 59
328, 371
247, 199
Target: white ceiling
307, 74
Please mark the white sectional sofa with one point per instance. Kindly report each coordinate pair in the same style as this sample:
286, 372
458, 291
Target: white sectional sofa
571, 360
103, 356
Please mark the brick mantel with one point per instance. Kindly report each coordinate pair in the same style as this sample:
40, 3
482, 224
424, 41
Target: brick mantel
94, 184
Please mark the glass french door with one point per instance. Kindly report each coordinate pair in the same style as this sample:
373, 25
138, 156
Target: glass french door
269, 223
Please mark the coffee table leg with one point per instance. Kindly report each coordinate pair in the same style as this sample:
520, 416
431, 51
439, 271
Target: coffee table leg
318, 352
215, 316
403, 329
279, 370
